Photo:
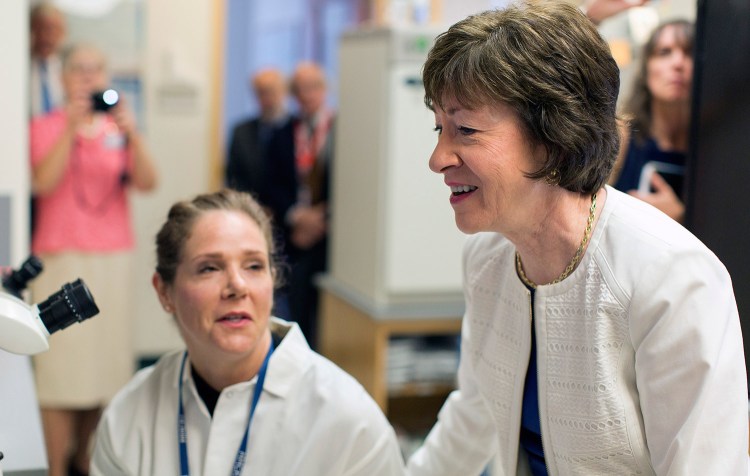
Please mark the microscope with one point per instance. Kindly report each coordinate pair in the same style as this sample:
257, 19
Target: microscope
25, 329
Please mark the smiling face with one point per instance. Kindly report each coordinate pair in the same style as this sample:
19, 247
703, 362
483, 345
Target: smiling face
222, 293
484, 155
669, 70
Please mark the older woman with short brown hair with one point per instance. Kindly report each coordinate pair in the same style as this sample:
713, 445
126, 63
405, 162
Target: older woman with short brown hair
600, 337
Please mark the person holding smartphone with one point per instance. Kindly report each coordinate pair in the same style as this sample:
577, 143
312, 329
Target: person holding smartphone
651, 162
83, 164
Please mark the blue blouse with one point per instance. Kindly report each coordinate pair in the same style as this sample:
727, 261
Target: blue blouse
531, 430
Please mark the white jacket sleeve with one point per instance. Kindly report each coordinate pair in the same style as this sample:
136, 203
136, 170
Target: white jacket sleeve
463, 440
690, 367
104, 461
382, 458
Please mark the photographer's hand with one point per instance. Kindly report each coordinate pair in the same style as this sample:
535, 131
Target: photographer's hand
48, 172
600, 10
124, 118
142, 172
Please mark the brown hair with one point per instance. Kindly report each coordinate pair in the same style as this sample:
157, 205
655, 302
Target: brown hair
170, 241
548, 62
638, 106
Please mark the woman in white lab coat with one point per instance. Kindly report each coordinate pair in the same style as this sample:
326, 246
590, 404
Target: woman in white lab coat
248, 396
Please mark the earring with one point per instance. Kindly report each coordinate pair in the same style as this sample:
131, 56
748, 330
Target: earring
553, 178
168, 309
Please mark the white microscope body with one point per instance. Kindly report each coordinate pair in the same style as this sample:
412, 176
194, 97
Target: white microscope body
25, 330
21, 328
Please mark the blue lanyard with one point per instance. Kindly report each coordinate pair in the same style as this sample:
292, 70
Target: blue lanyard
239, 460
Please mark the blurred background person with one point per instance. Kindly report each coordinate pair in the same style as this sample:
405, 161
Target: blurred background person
251, 139
258, 143
247, 380
47, 34
659, 113
298, 195
83, 163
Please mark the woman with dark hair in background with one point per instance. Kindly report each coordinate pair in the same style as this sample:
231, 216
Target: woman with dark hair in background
652, 160
600, 336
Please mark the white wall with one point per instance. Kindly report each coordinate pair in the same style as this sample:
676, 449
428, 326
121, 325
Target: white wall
20, 426
14, 170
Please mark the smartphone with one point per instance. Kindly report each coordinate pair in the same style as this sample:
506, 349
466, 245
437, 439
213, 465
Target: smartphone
673, 174
105, 100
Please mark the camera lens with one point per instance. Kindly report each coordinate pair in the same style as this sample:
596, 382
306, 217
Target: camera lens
105, 100
73, 303
110, 97
17, 280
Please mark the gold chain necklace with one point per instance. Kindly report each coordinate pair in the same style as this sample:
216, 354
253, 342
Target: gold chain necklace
576, 258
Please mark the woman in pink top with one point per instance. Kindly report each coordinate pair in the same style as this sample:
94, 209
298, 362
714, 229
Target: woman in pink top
83, 164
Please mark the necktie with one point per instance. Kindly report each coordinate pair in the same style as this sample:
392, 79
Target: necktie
46, 98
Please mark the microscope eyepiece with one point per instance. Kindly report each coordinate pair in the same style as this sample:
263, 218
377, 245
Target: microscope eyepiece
73, 303
16, 281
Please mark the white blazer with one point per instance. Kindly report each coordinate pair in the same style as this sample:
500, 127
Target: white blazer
641, 367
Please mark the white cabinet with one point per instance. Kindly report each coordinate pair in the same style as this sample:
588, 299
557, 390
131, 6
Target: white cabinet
393, 237
395, 251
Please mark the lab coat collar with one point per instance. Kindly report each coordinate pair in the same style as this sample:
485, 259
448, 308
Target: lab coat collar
290, 360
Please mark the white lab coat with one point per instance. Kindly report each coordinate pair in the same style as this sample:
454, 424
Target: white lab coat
312, 419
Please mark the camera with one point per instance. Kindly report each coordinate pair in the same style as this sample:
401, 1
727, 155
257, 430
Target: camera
15, 282
105, 100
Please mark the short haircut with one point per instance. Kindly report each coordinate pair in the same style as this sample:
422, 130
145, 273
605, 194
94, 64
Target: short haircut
44, 9
547, 61
309, 71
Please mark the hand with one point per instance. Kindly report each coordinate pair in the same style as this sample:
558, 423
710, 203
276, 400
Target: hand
663, 198
600, 10
309, 226
78, 108
124, 117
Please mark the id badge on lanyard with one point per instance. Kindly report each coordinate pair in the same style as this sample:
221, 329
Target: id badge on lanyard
239, 460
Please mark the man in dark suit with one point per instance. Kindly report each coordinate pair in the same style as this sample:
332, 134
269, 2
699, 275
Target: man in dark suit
298, 194
261, 139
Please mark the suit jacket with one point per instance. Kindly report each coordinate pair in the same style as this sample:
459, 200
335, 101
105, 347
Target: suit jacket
283, 181
249, 162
